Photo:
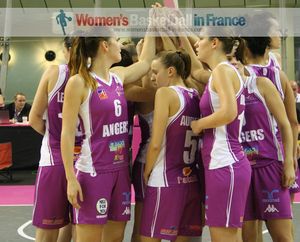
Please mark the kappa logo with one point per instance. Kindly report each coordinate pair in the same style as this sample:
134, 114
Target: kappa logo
271, 209
126, 211
294, 186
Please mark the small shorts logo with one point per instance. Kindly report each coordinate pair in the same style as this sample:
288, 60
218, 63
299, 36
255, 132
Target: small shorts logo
62, 22
126, 211
271, 209
102, 206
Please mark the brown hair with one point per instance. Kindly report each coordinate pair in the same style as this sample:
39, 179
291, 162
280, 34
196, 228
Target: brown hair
180, 60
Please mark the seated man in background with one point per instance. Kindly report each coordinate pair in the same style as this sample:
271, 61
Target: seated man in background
19, 108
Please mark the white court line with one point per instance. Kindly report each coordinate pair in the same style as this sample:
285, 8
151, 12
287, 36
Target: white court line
21, 232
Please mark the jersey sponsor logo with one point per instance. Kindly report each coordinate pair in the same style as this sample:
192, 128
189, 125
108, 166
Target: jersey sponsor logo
186, 171
53, 221
126, 211
252, 135
115, 129
169, 231
118, 148
185, 180
101, 206
102, 94
270, 196
251, 152
271, 209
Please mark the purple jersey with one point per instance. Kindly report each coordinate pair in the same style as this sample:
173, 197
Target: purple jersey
177, 159
105, 128
221, 145
145, 121
273, 61
259, 129
270, 71
50, 150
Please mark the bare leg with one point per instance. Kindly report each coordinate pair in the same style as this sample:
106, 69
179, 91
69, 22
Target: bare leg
280, 230
136, 237
221, 234
88, 232
260, 231
46, 235
250, 231
65, 234
113, 231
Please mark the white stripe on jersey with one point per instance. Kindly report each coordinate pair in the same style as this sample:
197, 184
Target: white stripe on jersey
46, 158
221, 153
85, 161
158, 177
252, 88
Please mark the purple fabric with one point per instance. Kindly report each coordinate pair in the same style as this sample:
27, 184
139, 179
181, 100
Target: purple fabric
51, 206
267, 199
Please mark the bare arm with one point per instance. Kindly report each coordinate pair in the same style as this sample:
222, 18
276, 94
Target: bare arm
163, 98
276, 107
197, 70
40, 102
135, 71
144, 93
227, 112
290, 108
74, 96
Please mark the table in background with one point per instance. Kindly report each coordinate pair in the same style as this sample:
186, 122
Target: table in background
26, 144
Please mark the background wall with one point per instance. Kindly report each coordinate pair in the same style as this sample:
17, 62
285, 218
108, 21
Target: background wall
28, 63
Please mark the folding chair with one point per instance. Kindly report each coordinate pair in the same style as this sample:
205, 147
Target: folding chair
6, 160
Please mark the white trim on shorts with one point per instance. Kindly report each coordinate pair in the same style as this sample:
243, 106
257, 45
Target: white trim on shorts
155, 211
229, 201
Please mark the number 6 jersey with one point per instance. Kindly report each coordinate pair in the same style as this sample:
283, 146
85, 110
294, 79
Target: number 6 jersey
105, 128
176, 162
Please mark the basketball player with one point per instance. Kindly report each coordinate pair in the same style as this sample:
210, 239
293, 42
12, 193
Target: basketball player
49, 214
100, 188
172, 208
272, 166
227, 170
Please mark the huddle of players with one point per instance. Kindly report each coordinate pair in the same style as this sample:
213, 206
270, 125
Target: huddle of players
247, 148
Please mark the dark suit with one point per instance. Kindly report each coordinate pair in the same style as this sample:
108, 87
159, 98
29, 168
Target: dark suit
25, 111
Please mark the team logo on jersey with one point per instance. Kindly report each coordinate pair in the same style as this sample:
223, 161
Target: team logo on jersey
102, 94
119, 90
127, 198
101, 206
186, 171
271, 196
251, 153
271, 209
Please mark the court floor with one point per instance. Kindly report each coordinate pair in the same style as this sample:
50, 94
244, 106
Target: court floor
15, 225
